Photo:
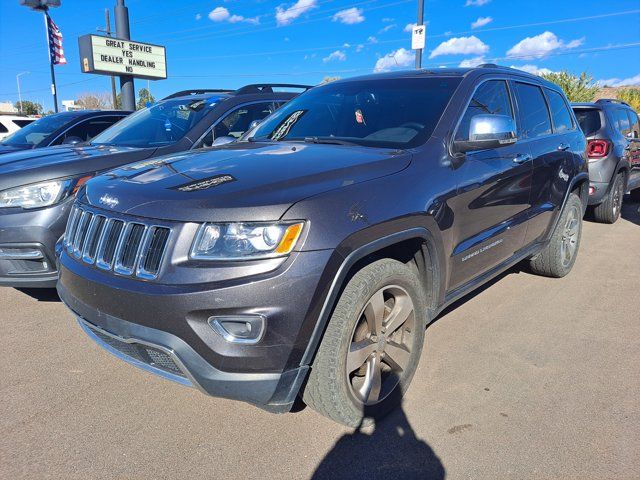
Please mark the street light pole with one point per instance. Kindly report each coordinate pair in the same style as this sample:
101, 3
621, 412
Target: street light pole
420, 22
122, 32
20, 94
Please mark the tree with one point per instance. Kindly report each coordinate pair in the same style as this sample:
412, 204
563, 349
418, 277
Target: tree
577, 89
94, 101
329, 79
631, 96
144, 97
29, 108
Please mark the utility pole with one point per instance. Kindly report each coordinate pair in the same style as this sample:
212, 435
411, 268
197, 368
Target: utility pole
20, 94
114, 95
122, 32
420, 22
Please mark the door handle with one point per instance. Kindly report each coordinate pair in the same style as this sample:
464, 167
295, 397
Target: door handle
563, 146
522, 158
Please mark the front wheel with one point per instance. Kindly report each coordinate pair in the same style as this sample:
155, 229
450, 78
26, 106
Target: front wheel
557, 259
371, 347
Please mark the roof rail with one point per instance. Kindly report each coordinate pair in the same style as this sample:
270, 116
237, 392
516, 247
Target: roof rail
612, 100
185, 93
268, 87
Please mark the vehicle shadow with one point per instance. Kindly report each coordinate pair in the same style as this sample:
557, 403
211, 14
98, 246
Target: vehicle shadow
41, 294
387, 450
630, 211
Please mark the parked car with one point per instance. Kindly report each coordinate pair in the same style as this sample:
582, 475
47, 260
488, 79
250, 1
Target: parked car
37, 187
12, 123
61, 128
613, 148
308, 258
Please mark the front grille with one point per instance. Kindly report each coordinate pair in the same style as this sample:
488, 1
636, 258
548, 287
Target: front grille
129, 248
146, 354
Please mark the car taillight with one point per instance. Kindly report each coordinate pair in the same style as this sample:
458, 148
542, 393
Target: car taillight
597, 148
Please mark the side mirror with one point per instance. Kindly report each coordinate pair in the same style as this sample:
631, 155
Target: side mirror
222, 141
488, 131
72, 141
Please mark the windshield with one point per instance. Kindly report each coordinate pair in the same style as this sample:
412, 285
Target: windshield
393, 113
161, 124
37, 131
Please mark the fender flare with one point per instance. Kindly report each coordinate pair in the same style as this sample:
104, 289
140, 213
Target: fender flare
435, 263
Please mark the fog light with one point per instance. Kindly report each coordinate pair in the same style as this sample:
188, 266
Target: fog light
247, 329
592, 190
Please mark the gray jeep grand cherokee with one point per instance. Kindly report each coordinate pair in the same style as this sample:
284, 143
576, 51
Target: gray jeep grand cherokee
308, 258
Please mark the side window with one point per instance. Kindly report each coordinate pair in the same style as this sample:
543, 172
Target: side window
88, 129
491, 98
635, 125
534, 114
559, 112
22, 123
236, 122
622, 121
3, 128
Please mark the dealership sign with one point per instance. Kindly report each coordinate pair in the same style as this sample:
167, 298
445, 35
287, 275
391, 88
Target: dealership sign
112, 56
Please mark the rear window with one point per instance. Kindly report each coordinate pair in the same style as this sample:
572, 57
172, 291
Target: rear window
589, 120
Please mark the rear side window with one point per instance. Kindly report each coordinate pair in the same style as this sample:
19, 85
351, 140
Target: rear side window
635, 126
534, 114
589, 120
22, 123
491, 98
3, 128
559, 112
621, 121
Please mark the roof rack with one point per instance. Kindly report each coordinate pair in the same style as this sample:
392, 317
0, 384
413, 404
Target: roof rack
612, 100
185, 93
268, 87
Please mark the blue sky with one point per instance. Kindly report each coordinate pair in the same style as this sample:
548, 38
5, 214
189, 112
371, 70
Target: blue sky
225, 44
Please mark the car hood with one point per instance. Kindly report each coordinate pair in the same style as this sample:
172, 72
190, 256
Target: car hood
35, 165
240, 182
13, 148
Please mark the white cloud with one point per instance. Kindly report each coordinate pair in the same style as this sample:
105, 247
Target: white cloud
461, 46
198, 16
409, 27
618, 82
349, 16
476, 3
387, 20
540, 46
472, 62
359, 48
387, 28
372, 40
338, 55
284, 16
346, 45
481, 22
397, 58
221, 14
533, 69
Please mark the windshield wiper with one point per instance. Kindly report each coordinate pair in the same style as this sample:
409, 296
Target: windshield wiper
329, 141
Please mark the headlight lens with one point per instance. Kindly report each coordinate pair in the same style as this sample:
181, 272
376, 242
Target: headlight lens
240, 241
36, 195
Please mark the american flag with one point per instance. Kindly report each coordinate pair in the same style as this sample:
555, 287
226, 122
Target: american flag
56, 53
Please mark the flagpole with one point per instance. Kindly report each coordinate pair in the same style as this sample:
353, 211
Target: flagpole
53, 74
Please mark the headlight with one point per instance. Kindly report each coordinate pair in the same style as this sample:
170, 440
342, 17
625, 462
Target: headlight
240, 241
36, 195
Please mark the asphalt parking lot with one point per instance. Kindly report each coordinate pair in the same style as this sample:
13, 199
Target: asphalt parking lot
529, 378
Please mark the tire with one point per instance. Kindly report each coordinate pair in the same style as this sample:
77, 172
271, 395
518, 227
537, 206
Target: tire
609, 210
557, 258
392, 290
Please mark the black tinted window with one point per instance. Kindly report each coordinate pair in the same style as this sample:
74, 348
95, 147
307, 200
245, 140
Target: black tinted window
559, 112
491, 98
589, 120
393, 113
88, 129
534, 115
622, 121
22, 123
3, 129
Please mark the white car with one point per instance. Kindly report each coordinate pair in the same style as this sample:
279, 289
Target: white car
11, 123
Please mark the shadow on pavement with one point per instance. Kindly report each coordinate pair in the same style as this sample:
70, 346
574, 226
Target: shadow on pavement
630, 211
41, 294
390, 450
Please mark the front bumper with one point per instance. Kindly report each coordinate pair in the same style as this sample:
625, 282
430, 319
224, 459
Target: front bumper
126, 316
27, 245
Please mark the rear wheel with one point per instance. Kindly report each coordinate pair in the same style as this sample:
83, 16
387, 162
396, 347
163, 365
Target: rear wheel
557, 259
372, 345
609, 210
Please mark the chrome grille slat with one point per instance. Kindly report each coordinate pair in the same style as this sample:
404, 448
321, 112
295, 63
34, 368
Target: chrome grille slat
129, 248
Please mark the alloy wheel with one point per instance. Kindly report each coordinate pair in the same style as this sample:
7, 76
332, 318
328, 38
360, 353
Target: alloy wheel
570, 235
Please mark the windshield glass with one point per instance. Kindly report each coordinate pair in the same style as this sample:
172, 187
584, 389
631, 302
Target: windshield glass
161, 124
393, 113
37, 131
